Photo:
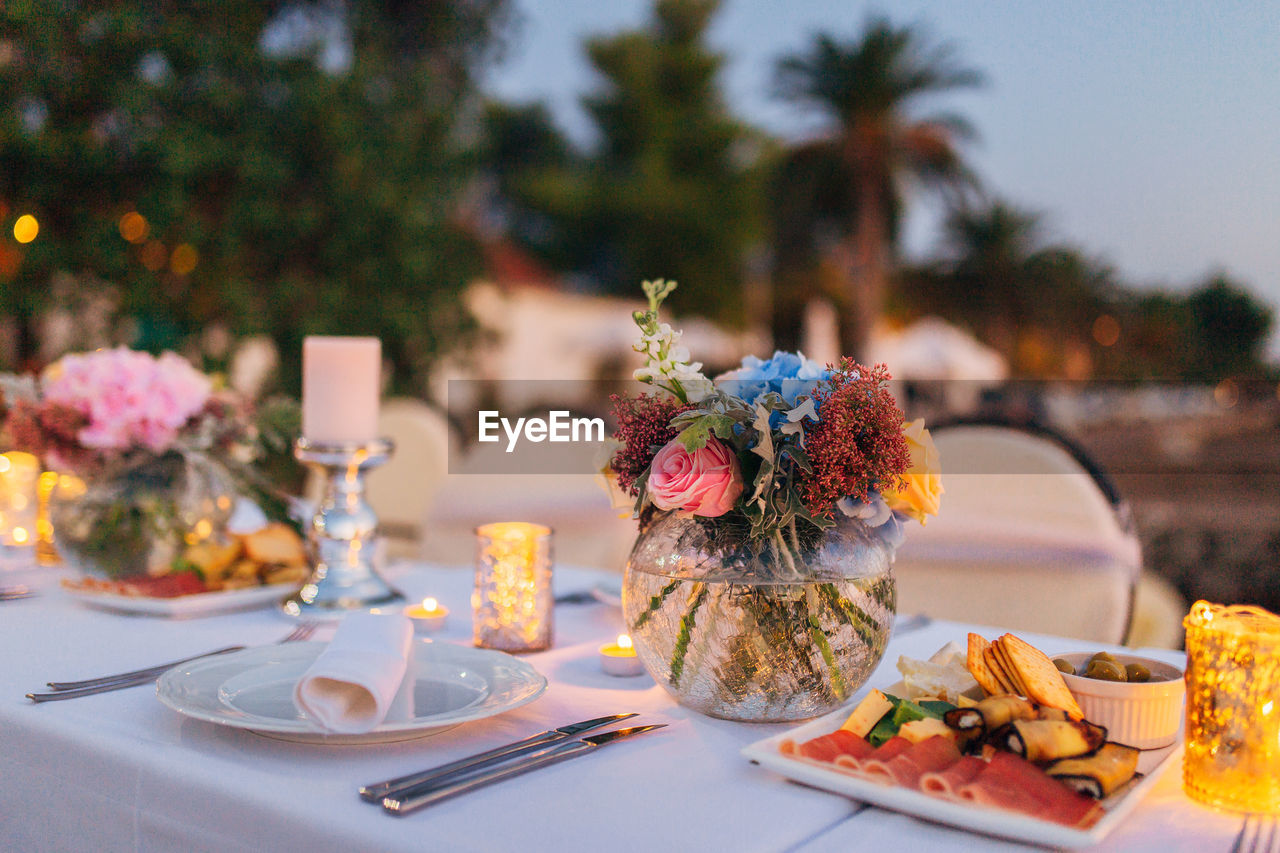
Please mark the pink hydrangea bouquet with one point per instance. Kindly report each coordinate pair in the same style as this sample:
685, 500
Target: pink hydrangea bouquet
90, 409
161, 455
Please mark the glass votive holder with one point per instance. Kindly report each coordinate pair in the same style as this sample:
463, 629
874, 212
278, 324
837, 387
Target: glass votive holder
1232, 759
513, 604
19, 509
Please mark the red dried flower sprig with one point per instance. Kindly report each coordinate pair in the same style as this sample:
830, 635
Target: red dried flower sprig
857, 444
644, 428
49, 431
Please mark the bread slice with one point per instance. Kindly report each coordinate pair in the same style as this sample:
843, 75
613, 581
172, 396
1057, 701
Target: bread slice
977, 666
1043, 681
276, 543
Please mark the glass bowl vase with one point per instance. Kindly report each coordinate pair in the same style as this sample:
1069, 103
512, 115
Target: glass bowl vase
769, 630
137, 518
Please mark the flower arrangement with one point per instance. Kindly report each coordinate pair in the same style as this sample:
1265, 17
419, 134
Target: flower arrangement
778, 445
771, 501
160, 450
93, 411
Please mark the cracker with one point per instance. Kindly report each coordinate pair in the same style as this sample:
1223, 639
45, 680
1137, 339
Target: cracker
1043, 680
1001, 677
1010, 671
978, 667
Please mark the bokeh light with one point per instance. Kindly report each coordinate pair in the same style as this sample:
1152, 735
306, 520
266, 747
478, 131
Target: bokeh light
184, 259
1106, 330
26, 228
134, 227
1227, 393
154, 256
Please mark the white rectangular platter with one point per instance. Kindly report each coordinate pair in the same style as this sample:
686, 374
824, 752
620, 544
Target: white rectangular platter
989, 821
184, 606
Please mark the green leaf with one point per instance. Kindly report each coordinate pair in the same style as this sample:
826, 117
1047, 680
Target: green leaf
701, 427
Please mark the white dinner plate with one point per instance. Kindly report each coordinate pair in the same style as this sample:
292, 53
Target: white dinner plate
253, 690
989, 821
196, 604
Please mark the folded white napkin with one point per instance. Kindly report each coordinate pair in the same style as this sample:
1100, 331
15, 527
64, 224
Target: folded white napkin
357, 681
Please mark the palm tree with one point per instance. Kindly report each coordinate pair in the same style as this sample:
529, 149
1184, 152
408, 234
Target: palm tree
864, 88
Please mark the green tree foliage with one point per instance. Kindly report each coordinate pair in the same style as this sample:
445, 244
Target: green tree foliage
308, 154
670, 190
1035, 303
1053, 311
1218, 330
1229, 327
864, 89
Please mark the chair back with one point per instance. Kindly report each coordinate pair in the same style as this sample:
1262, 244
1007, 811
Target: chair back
403, 490
1032, 535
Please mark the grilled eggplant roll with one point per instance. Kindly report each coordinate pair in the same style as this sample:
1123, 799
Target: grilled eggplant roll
1098, 775
1048, 740
990, 714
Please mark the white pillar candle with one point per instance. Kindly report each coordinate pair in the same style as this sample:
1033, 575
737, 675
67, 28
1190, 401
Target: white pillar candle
341, 378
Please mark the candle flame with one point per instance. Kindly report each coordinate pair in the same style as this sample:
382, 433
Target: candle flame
429, 604
624, 641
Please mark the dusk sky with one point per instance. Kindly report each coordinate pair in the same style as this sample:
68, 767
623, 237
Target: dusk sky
1147, 132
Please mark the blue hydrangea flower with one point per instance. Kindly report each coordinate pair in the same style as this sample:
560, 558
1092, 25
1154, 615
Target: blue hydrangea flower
789, 374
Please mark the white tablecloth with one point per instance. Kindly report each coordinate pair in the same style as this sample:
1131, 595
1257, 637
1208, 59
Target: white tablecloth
119, 771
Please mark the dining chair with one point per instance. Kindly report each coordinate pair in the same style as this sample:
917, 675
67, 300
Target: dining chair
403, 491
1032, 535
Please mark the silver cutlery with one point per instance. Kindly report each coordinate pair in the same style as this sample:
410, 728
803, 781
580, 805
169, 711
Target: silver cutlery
15, 592
911, 623
409, 802
377, 791
119, 681
1263, 825
580, 597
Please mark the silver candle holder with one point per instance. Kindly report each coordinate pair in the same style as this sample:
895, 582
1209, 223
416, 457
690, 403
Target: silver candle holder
342, 536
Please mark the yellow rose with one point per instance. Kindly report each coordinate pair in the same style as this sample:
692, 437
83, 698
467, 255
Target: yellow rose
922, 493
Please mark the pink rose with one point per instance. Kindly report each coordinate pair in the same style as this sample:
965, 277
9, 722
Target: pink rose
705, 482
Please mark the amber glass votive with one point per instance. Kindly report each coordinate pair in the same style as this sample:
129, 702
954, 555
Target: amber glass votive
513, 602
19, 504
1233, 708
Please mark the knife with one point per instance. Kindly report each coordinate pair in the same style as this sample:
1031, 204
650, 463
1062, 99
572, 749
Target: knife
378, 790
409, 801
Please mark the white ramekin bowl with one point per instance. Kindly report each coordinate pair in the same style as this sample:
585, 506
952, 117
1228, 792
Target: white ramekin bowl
1144, 714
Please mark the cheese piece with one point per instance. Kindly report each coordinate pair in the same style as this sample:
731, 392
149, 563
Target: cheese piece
867, 714
918, 730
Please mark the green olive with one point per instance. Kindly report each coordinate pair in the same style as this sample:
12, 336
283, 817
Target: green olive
1104, 671
1137, 672
1064, 666
1106, 656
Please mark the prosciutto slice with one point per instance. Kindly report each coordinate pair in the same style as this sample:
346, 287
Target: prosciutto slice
878, 760
1013, 783
830, 748
927, 756
947, 781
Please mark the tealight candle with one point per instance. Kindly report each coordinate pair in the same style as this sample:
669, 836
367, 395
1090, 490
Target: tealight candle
620, 658
428, 616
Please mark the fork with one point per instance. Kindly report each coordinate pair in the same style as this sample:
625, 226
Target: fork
119, 681
13, 593
1261, 824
